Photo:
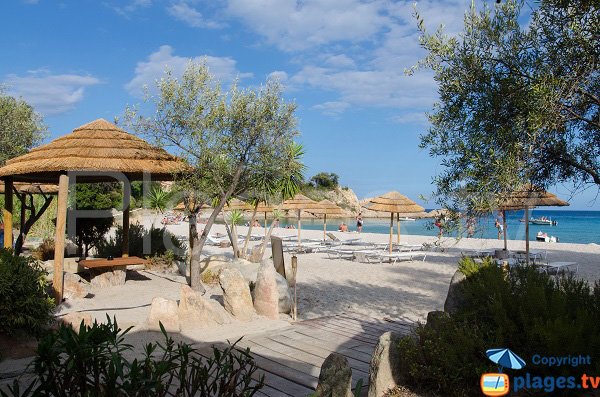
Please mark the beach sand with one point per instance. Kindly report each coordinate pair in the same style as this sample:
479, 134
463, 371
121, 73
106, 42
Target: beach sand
405, 289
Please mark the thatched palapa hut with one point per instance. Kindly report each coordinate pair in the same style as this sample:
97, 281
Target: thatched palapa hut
95, 152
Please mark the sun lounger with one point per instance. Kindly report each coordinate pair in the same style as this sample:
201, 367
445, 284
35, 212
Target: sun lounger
304, 247
396, 256
339, 253
349, 241
560, 268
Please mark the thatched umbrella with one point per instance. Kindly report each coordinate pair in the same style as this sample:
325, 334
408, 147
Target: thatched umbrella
237, 204
95, 152
265, 208
525, 198
181, 207
299, 203
31, 188
394, 203
327, 208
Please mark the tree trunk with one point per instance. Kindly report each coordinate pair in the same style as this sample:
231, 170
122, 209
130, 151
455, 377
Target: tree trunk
267, 238
231, 232
249, 234
33, 218
199, 243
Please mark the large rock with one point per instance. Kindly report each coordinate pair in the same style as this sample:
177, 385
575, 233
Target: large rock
455, 297
266, 293
74, 286
285, 294
335, 379
385, 370
236, 295
108, 279
197, 311
249, 270
74, 320
435, 319
166, 312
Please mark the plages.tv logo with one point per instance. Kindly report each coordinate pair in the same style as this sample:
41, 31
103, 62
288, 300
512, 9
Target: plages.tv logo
498, 384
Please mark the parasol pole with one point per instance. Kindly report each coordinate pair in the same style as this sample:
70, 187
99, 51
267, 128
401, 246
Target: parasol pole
398, 223
324, 226
265, 224
299, 225
391, 230
504, 228
527, 235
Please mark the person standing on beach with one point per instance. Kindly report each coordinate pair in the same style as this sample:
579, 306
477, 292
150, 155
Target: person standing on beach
359, 222
500, 226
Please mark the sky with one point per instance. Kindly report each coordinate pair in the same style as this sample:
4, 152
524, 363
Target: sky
341, 61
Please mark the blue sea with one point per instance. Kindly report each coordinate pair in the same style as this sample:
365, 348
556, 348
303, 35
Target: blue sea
581, 227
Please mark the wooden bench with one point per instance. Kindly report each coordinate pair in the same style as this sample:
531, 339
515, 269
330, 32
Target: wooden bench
101, 265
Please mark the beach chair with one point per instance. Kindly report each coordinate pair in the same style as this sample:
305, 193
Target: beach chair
396, 256
349, 241
212, 240
367, 256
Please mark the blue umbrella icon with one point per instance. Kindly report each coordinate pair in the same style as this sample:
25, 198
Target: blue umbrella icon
505, 358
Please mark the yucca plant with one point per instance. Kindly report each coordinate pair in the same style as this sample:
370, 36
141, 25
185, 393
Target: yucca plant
234, 218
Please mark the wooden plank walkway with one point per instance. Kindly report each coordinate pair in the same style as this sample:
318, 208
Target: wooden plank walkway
290, 359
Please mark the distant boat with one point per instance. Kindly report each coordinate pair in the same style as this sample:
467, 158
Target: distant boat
406, 219
541, 221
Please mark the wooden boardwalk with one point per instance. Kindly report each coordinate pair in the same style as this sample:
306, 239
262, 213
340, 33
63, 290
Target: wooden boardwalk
290, 359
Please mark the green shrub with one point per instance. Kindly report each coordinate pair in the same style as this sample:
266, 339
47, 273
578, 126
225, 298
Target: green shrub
25, 307
45, 251
525, 311
468, 266
137, 233
92, 362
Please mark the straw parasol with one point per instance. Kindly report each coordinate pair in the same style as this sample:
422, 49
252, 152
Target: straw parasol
99, 146
265, 208
237, 204
300, 202
96, 152
526, 198
394, 203
181, 207
327, 208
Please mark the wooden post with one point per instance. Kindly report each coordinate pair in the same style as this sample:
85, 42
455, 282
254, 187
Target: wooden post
126, 205
504, 228
299, 227
398, 225
22, 198
294, 274
527, 235
8, 212
265, 224
59, 240
324, 227
391, 230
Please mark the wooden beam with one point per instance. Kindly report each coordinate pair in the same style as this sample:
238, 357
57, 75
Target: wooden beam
126, 205
398, 225
8, 212
391, 229
59, 240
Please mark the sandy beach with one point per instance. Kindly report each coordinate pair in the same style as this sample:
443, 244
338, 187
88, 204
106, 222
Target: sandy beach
405, 289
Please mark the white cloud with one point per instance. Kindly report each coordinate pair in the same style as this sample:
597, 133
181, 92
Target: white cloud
132, 6
414, 118
296, 25
332, 108
182, 11
340, 61
278, 75
147, 72
50, 94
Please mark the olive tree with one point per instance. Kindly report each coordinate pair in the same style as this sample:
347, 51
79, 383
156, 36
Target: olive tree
518, 101
226, 137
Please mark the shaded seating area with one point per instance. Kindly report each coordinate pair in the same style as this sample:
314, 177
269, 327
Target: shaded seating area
95, 152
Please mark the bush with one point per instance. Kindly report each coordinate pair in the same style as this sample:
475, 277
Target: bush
137, 234
525, 311
92, 362
25, 307
45, 251
210, 277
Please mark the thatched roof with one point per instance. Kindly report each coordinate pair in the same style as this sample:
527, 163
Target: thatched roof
327, 207
98, 146
181, 207
32, 188
299, 202
530, 197
264, 207
393, 202
236, 204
